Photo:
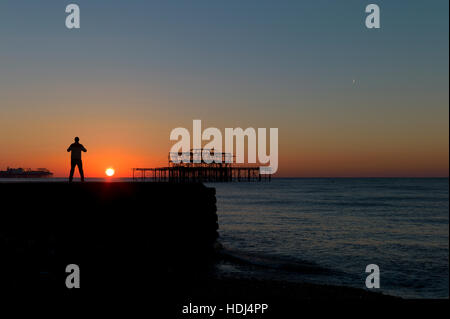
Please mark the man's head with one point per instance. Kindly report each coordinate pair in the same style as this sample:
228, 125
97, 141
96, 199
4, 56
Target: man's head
77, 139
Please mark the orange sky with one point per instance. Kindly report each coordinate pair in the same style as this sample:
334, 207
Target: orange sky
118, 144
130, 128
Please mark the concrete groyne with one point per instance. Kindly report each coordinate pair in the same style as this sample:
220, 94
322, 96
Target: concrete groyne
128, 227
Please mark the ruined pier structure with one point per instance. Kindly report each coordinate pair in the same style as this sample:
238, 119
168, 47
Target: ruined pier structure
201, 165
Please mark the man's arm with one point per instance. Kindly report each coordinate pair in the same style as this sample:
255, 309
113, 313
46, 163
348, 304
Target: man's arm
69, 149
83, 149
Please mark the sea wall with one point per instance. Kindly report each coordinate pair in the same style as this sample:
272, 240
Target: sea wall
128, 227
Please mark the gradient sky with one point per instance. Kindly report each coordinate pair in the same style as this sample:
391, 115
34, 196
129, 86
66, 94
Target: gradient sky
137, 69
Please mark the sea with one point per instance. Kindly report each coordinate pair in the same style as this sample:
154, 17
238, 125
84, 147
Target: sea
328, 230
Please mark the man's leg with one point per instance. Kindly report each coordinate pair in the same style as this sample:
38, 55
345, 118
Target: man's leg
72, 169
80, 169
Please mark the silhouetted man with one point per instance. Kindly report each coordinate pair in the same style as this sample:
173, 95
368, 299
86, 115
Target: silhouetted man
76, 149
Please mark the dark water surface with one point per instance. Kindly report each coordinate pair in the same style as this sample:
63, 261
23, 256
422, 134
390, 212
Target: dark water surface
329, 230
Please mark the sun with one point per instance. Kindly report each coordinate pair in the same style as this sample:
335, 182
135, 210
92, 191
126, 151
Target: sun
110, 172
